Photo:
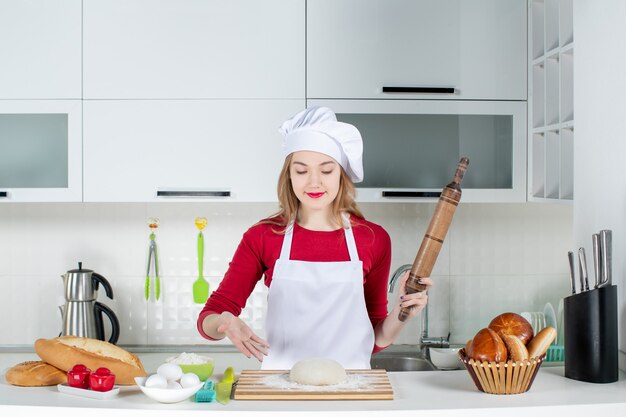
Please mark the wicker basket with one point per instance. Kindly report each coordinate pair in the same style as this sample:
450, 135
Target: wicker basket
502, 377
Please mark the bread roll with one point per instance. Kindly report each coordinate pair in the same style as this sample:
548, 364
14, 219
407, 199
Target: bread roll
35, 374
516, 348
541, 342
467, 347
487, 346
66, 351
513, 324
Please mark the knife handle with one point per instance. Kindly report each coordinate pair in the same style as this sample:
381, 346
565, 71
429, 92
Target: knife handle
605, 249
582, 268
572, 271
597, 265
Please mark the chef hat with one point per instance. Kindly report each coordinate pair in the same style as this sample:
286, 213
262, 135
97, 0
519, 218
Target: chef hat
317, 129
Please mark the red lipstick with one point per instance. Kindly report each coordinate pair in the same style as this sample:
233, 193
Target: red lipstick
315, 195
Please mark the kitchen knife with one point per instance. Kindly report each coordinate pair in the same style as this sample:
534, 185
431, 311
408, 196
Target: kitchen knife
597, 263
606, 253
572, 271
582, 260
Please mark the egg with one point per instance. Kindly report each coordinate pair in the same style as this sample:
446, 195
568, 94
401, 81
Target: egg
173, 385
156, 381
170, 372
189, 380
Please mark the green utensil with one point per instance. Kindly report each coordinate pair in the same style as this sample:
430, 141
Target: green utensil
200, 285
153, 224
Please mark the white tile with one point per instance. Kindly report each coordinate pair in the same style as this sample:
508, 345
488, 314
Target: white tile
490, 250
45, 238
476, 300
130, 307
114, 239
510, 239
29, 307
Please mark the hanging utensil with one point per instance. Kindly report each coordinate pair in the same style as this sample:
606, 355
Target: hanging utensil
153, 224
200, 285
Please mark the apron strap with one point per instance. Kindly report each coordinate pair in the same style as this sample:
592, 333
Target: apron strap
350, 242
285, 250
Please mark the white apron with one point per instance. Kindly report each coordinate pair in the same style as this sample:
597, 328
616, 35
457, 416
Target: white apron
317, 310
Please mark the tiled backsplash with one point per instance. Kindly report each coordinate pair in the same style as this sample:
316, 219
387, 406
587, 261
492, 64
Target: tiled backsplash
496, 257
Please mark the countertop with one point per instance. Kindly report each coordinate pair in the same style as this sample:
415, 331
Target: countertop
433, 393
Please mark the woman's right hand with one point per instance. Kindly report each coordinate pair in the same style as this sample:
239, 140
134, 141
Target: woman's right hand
242, 336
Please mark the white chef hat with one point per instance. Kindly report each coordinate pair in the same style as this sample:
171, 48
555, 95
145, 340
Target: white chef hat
317, 129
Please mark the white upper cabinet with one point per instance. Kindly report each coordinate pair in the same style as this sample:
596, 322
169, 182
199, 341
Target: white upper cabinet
40, 150
142, 49
40, 49
168, 150
476, 49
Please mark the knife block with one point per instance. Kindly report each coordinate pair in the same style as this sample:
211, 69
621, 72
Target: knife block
590, 335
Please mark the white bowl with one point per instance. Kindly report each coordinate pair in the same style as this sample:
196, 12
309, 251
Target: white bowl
164, 395
446, 358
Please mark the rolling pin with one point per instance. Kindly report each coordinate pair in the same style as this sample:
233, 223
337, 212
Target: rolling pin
435, 234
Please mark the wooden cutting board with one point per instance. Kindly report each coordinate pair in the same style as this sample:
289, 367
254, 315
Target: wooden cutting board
363, 384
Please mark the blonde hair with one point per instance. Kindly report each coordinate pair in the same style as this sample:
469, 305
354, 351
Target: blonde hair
289, 204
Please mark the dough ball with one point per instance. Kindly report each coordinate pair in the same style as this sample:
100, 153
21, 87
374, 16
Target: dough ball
317, 371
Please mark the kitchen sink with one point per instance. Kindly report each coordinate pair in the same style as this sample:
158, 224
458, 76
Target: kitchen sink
400, 363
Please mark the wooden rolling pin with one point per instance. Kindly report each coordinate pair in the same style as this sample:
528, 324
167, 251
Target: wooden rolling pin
435, 234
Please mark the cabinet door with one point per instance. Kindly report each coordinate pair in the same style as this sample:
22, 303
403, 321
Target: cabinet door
194, 49
158, 150
40, 150
357, 47
40, 49
412, 148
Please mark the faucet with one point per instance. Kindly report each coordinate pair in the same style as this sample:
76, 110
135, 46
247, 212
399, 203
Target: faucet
425, 340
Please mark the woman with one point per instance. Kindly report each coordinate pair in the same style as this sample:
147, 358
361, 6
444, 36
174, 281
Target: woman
325, 265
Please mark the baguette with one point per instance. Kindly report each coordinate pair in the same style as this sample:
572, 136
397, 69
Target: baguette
35, 374
515, 346
66, 351
541, 342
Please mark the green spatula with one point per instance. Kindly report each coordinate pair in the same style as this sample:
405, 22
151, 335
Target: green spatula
200, 286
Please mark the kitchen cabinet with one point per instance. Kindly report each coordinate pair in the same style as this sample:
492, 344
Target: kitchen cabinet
473, 50
40, 150
164, 150
40, 46
551, 101
412, 147
172, 49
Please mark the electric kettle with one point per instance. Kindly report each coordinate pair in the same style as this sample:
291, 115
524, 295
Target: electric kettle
82, 314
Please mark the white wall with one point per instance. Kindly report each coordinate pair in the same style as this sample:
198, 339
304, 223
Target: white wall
496, 258
600, 136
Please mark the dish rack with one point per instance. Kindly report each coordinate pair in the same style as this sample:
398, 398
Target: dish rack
555, 353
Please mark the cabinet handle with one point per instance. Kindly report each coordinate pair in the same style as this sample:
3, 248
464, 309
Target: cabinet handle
412, 194
193, 193
423, 90
3, 194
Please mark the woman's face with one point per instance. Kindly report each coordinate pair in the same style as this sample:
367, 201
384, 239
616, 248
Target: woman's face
314, 179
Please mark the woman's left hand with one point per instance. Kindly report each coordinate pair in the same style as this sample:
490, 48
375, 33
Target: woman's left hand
416, 301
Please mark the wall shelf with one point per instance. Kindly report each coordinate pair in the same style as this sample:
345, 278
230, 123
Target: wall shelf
551, 101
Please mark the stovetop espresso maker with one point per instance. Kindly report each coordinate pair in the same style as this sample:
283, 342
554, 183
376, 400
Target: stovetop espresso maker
82, 314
